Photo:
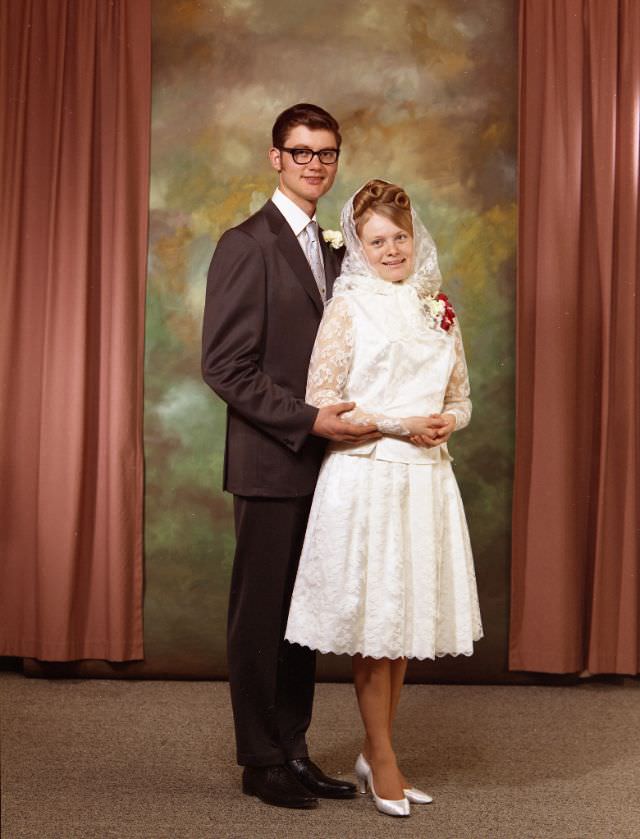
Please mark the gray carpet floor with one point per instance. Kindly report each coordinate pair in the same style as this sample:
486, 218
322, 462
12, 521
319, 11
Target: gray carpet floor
93, 758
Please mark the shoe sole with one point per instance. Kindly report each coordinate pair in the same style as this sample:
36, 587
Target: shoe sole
344, 796
302, 805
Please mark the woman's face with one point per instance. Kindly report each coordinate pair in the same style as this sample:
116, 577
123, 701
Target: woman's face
388, 248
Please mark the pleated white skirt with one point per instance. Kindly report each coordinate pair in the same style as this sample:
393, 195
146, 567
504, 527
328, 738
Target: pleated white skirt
386, 569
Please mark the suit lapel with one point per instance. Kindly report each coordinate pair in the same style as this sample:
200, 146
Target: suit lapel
292, 252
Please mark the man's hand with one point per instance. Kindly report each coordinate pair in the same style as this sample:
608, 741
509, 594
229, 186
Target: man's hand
328, 424
431, 431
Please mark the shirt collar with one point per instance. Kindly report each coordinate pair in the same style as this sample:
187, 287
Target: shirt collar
296, 218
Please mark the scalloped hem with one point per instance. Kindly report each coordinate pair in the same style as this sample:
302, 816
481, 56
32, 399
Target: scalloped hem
391, 655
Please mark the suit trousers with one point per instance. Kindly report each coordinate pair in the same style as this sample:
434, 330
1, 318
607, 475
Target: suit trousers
272, 681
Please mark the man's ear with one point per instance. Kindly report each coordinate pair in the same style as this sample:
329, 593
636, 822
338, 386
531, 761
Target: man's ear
275, 159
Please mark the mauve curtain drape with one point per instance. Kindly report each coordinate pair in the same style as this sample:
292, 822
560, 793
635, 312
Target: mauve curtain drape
576, 552
74, 127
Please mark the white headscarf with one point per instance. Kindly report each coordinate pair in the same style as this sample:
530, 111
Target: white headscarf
357, 273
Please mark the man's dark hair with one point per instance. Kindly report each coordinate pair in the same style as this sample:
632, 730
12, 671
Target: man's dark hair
312, 116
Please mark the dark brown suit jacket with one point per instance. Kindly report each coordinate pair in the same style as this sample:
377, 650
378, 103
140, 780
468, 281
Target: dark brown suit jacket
261, 316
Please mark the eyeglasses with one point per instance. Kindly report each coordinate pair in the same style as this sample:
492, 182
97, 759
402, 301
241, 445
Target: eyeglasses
303, 156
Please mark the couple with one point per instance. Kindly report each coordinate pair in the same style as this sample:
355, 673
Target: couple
306, 344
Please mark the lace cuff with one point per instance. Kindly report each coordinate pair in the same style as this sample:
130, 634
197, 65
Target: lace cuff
456, 398
392, 426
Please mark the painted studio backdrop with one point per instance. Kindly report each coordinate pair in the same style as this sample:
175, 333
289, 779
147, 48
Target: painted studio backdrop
425, 95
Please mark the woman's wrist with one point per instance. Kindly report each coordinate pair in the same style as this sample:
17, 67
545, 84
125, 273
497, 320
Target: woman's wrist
454, 419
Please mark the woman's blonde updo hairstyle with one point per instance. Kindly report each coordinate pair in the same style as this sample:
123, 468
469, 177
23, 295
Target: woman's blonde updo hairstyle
386, 199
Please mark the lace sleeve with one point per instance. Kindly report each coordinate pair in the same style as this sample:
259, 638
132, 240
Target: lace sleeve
330, 364
456, 398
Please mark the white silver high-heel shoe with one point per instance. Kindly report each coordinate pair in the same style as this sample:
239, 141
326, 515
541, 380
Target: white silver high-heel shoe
389, 807
413, 795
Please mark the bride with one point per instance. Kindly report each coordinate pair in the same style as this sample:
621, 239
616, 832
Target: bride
386, 572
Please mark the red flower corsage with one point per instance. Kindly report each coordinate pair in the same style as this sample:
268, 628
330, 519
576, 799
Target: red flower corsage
448, 316
440, 312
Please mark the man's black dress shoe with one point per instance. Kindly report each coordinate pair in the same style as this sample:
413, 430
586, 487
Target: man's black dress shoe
316, 782
276, 785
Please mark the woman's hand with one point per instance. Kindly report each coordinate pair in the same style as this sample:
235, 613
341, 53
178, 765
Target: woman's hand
431, 431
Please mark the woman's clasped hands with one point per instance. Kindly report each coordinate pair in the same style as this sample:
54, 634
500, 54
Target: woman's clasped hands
432, 430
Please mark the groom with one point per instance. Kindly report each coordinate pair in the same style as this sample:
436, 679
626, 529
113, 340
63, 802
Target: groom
268, 281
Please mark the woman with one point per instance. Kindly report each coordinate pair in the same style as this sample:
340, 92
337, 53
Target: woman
386, 572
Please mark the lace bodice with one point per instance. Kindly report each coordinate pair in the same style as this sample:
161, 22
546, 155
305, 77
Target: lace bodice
376, 347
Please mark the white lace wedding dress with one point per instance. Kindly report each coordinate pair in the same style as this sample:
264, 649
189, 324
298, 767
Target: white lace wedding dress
386, 569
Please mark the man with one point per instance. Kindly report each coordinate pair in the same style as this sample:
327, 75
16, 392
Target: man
268, 279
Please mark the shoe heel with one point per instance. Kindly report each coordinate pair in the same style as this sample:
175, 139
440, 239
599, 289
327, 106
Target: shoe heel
362, 770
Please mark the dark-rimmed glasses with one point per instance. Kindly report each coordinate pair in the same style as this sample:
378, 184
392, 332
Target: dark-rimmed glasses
302, 156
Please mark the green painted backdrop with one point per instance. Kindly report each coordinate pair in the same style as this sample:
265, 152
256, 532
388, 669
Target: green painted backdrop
425, 94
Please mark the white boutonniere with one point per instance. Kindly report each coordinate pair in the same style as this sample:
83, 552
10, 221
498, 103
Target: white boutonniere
333, 238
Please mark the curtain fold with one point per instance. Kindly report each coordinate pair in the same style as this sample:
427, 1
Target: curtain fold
74, 127
576, 549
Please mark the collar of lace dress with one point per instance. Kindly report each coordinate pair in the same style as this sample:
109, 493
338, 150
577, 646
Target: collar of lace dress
371, 283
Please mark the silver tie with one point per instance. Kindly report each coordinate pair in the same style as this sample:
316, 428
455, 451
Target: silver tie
314, 256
